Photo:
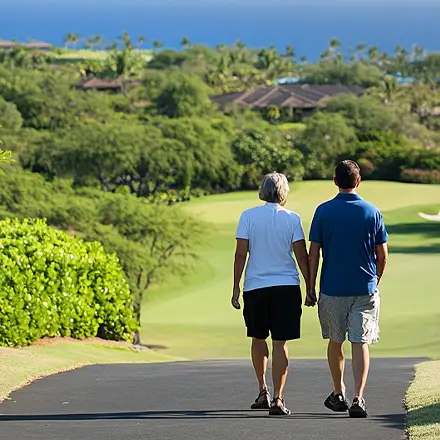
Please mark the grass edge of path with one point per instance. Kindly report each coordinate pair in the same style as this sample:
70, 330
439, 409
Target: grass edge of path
20, 367
423, 402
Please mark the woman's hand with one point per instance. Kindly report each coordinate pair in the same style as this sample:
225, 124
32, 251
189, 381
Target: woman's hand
235, 300
311, 298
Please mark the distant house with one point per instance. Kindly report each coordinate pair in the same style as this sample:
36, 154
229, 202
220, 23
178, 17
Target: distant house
102, 84
8, 44
36, 45
302, 99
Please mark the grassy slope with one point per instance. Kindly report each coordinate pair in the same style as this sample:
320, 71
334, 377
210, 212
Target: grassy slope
90, 55
194, 319
20, 366
423, 403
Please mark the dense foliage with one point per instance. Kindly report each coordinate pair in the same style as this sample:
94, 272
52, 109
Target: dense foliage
107, 165
54, 285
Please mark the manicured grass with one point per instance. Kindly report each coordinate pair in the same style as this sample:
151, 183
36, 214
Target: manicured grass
423, 403
20, 366
194, 319
89, 55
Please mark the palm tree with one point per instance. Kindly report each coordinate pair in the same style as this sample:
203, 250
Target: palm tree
373, 52
304, 60
185, 43
334, 45
141, 41
360, 49
240, 45
157, 44
71, 38
290, 52
95, 41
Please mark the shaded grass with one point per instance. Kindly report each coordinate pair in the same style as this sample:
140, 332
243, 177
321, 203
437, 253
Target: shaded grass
20, 366
423, 403
194, 317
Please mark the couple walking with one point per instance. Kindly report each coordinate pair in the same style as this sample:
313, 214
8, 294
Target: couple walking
351, 235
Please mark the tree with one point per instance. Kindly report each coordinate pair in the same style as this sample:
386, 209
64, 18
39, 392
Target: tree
326, 139
157, 44
10, 117
71, 38
290, 52
367, 115
141, 41
334, 46
259, 153
185, 43
182, 95
5, 155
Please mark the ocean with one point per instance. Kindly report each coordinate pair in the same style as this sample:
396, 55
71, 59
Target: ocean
305, 24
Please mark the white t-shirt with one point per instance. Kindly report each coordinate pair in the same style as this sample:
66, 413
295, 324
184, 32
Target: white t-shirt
271, 230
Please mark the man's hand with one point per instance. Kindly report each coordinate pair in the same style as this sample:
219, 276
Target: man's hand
311, 298
235, 298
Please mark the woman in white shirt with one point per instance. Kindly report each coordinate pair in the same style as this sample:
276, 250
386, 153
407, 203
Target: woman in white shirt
268, 234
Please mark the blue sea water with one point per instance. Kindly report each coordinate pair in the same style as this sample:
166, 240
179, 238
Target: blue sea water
306, 24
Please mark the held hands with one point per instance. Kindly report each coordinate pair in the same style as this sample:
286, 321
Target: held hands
235, 300
310, 297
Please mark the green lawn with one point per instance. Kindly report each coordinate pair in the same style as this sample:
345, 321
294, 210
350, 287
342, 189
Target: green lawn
423, 403
194, 319
69, 55
20, 366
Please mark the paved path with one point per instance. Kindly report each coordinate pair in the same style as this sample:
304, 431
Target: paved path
200, 400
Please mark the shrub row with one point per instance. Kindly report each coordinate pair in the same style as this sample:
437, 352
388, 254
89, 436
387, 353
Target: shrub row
52, 285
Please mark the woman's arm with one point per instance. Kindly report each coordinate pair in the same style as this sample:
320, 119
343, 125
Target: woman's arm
240, 258
300, 251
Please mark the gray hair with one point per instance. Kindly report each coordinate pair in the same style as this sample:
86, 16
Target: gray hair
274, 188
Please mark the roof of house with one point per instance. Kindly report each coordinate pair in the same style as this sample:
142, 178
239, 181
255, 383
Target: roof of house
103, 84
37, 45
288, 95
7, 44
30, 45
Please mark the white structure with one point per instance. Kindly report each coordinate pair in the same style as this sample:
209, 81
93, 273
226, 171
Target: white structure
433, 218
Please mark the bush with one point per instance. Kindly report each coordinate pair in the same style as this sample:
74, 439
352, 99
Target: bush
421, 176
55, 285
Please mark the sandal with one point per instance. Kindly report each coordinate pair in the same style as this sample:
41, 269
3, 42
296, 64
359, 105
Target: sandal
262, 401
277, 408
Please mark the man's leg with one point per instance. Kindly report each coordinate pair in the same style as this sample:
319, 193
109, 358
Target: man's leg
260, 357
280, 363
336, 363
361, 365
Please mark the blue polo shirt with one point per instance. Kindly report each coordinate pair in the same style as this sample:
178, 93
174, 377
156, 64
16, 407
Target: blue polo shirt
348, 229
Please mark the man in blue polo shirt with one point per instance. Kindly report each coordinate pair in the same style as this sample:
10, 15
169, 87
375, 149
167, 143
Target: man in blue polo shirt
351, 234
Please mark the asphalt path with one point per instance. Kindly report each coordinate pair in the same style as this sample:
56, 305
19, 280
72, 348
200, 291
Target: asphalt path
199, 401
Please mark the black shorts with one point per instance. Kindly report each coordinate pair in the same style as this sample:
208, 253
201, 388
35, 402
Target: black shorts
273, 310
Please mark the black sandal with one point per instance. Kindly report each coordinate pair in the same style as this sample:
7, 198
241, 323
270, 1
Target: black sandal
278, 410
262, 401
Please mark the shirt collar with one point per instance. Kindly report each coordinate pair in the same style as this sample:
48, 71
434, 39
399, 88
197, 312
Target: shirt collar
271, 205
348, 196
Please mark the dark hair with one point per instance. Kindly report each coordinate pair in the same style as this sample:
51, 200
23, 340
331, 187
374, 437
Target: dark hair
347, 174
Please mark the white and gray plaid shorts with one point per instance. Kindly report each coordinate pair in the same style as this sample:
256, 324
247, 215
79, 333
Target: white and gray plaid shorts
356, 315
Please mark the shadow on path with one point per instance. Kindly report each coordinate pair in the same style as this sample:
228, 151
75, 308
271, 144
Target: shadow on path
389, 420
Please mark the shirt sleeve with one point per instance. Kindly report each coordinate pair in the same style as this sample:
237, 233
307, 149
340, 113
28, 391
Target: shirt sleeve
315, 235
243, 227
298, 231
381, 232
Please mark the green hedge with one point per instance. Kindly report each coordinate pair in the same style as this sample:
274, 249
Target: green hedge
54, 285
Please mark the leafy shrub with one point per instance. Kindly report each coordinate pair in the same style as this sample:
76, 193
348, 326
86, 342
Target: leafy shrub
55, 285
421, 176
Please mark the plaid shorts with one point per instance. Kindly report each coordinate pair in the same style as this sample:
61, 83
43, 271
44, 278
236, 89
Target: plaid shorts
356, 315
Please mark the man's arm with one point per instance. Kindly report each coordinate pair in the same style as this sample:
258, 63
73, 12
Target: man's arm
314, 255
240, 258
381, 260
